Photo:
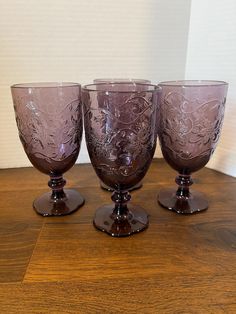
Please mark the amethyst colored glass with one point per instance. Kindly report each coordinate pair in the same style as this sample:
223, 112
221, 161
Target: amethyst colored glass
129, 82
191, 117
120, 129
49, 121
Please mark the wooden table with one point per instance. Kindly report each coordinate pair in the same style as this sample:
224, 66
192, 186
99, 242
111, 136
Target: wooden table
181, 264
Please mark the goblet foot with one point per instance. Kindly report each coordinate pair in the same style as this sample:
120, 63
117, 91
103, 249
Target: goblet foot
107, 188
106, 220
45, 205
196, 201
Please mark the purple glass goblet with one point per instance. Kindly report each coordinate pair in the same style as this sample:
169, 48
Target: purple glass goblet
120, 129
129, 82
191, 116
49, 121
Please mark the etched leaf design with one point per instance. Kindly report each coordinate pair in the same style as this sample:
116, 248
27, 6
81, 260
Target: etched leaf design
120, 133
185, 122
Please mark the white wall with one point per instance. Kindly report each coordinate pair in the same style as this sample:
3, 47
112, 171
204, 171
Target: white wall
212, 55
79, 40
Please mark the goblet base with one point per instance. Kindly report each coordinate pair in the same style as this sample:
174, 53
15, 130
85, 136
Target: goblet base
107, 188
46, 206
106, 220
196, 202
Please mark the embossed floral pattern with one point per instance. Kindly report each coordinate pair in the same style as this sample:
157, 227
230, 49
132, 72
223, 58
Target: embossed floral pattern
48, 130
120, 133
190, 128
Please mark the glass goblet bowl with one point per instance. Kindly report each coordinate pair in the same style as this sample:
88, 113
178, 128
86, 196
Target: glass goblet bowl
128, 81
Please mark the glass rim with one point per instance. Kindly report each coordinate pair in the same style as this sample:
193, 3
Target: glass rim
88, 87
121, 80
45, 85
193, 83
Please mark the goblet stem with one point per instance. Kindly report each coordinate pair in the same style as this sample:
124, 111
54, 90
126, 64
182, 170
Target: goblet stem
58, 202
121, 198
184, 182
120, 220
183, 201
57, 183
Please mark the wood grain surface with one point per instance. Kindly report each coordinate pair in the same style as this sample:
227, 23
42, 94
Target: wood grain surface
180, 264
